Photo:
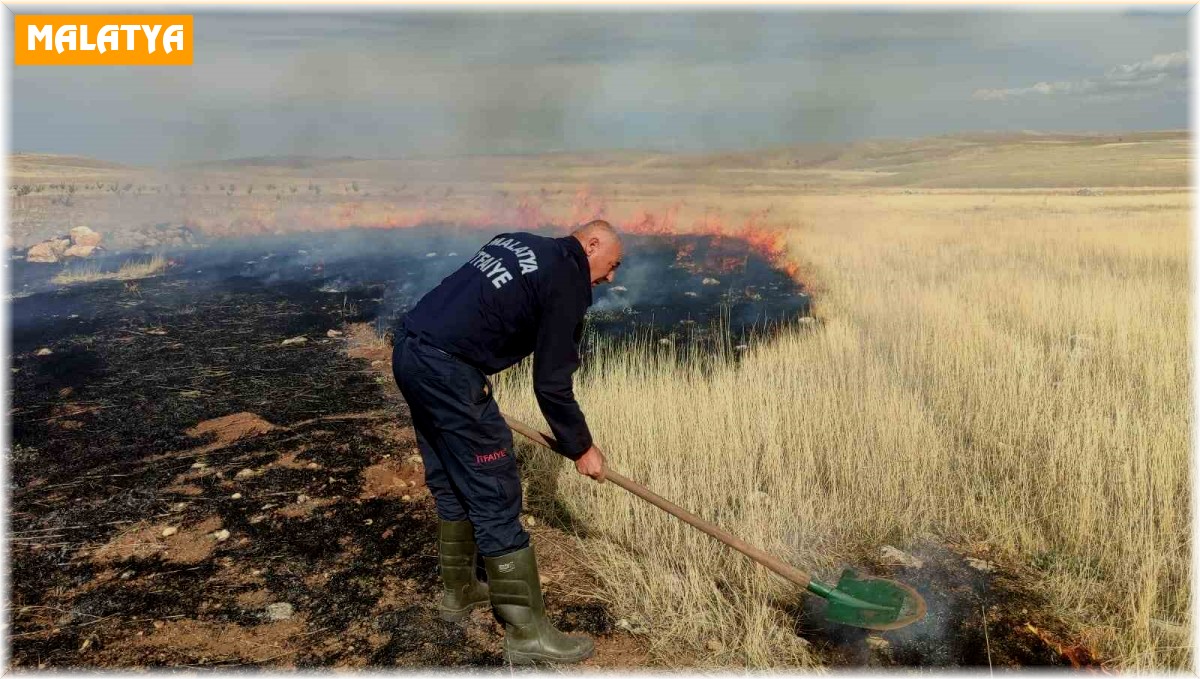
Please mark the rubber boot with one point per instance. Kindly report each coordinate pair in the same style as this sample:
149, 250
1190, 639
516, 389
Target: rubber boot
456, 562
517, 597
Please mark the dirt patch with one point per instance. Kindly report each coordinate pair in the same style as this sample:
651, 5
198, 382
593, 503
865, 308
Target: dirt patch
194, 543
368, 641
188, 545
139, 542
621, 651
290, 460
297, 509
400, 436
390, 478
231, 428
217, 644
396, 591
254, 599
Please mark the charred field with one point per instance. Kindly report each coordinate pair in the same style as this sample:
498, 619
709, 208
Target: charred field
156, 394
210, 467
188, 490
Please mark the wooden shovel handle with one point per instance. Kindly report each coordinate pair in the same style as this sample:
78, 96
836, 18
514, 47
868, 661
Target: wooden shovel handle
790, 572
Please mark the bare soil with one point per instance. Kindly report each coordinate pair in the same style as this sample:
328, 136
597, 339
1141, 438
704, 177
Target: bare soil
231, 428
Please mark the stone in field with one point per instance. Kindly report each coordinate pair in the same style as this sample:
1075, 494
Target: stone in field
893, 557
84, 236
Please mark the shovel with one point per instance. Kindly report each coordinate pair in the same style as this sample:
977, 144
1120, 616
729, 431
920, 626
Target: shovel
857, 600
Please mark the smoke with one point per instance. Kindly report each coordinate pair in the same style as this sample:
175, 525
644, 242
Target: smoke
978, 615
404, 83
381, 273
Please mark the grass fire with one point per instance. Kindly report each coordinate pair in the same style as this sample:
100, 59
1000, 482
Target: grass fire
123, 484
914, 402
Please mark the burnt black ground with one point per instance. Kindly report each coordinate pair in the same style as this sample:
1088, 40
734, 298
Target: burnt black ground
219, 353
99, 446
668, 287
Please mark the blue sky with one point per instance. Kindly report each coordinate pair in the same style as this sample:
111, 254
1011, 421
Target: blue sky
438, 82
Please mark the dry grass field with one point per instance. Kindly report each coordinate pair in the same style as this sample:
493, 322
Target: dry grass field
999, 364
637, 190
1005, 370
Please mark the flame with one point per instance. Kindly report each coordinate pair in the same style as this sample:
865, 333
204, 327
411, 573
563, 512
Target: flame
651, 223
1079, 655
727, 264
530, 210
683, 257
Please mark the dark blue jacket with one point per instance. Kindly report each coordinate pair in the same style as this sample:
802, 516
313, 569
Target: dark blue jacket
520, 294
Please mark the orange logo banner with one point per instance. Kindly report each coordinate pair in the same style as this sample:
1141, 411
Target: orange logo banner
103, 40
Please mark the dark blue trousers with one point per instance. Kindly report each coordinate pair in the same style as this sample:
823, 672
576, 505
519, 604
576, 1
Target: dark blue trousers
467, 447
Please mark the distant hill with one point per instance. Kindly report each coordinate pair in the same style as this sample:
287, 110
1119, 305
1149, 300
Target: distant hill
292, 162
21, 164
881, 153
970, 160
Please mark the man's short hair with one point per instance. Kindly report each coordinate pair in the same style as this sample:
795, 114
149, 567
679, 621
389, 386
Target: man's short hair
597, 225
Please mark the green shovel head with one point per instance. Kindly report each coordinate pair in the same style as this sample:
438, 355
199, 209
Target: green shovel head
873, 603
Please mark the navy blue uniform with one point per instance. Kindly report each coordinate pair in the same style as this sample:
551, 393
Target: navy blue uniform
521, 294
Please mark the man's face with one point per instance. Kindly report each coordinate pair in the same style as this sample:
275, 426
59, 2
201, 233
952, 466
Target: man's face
604, 256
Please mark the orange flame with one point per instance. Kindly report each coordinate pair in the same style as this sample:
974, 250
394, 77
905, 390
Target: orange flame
649, 223
1078, 655
528, 211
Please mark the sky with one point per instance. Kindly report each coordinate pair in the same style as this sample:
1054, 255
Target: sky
407, 83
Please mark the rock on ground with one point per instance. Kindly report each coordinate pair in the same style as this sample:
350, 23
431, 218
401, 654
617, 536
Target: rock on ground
79, 251
894, 557
82, 235
279, 611
48, 251
979, 564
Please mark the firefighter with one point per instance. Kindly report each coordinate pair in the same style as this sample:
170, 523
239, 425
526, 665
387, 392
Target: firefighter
521, 293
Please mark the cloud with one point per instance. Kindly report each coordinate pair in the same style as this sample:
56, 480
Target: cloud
1164, 73
395, 83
